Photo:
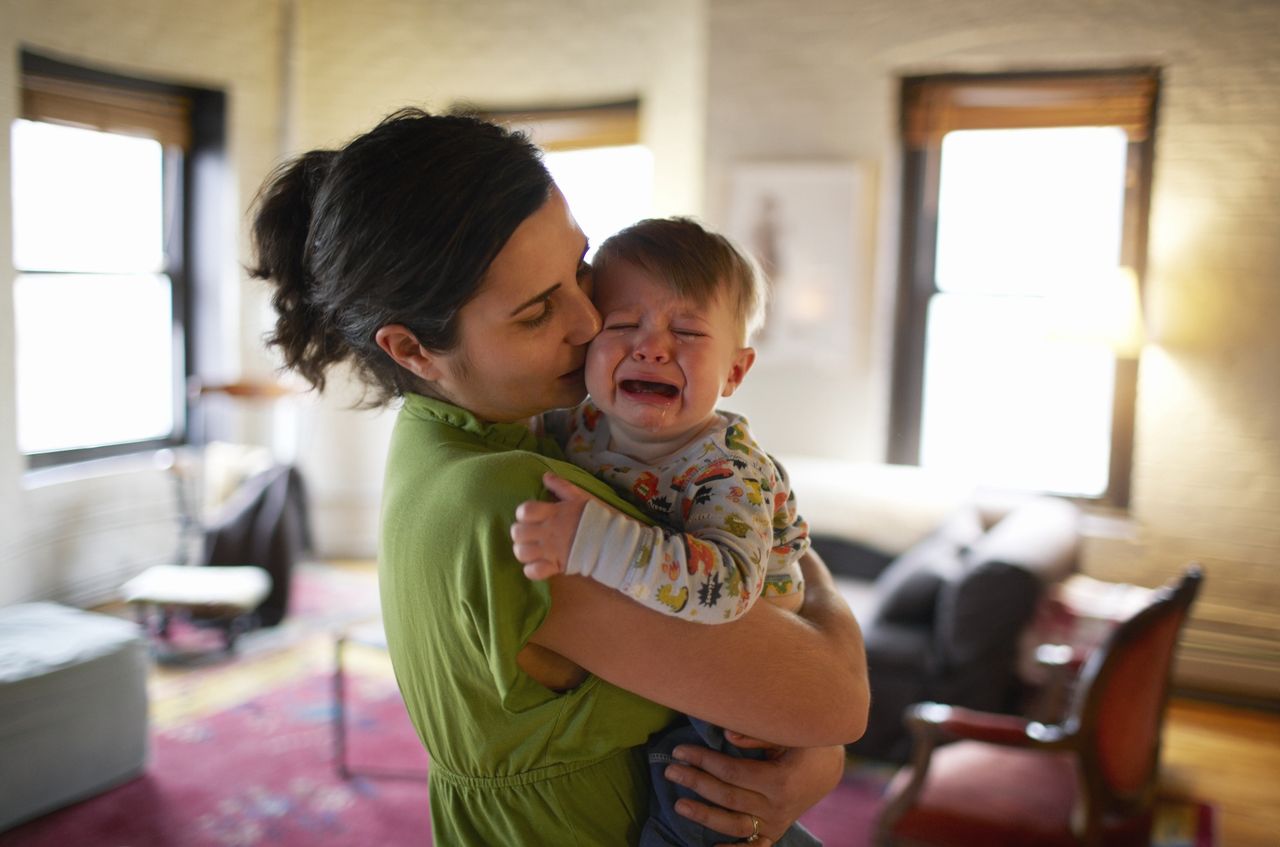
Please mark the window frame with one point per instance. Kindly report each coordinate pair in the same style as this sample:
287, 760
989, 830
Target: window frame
185, 118
557, 128
937, 104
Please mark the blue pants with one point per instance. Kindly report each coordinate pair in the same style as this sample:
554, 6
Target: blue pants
666, 828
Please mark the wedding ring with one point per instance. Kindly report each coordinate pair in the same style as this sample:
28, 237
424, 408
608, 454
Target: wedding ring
755, 830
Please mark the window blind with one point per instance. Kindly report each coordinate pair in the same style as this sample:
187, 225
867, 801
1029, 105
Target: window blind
934, 106
164, 117
608, 125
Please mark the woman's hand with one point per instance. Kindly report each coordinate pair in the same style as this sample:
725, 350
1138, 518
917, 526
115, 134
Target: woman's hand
739, 791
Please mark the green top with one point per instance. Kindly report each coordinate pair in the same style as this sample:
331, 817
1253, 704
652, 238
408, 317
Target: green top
512, 762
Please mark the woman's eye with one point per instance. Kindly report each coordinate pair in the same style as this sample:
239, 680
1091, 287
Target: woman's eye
621, 326
540, 318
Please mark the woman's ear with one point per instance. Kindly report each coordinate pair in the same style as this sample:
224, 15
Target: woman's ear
398, 342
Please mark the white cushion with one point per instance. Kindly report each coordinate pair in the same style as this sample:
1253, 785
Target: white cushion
243, 587
39, 638
886, 507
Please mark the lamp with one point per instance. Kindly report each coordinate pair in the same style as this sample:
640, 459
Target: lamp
1106, 310
1126, 329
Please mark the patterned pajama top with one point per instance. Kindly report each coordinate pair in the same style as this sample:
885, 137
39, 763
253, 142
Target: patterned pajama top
736, 532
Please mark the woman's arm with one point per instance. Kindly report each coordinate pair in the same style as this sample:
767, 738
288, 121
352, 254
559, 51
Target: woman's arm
797, 681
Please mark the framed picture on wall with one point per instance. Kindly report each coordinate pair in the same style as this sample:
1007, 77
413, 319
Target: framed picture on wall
807, 225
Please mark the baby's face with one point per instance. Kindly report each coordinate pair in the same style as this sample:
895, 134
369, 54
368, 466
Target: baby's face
660, 362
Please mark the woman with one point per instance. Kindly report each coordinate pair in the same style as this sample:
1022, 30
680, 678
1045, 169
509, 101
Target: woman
436, 257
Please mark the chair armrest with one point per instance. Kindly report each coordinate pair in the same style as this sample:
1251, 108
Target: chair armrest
935, 722
1041, 535
1057, 667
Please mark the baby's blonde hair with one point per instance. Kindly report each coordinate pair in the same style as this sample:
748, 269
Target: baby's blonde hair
698, 264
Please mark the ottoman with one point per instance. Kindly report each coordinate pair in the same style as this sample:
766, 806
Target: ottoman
73, 706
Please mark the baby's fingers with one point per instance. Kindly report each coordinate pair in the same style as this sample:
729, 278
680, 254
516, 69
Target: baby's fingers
563, 489
526, 541
528, 532
527, 552
527, 545
534, 512
541, 569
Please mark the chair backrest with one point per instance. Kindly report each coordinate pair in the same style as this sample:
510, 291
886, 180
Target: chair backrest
1121, 697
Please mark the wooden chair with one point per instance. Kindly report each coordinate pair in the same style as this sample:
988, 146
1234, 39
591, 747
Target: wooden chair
1088, 780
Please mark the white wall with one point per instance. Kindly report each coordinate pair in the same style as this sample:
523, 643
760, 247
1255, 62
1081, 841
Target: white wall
356, 62
75, 536
818, 80
510, 53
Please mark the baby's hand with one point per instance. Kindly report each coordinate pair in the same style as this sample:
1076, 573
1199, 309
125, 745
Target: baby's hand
791, 602
543, 533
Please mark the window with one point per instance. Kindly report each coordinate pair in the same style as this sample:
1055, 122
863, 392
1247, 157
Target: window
595, 156
1025, 201
103, 213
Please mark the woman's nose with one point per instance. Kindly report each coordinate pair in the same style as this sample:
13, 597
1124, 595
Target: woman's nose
584, 320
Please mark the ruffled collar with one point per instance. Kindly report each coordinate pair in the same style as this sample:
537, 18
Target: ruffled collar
511, 436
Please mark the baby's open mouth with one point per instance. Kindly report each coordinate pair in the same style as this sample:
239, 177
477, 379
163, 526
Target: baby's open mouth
641, 386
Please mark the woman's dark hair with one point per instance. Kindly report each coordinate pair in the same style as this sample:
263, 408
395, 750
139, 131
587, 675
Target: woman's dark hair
398, 227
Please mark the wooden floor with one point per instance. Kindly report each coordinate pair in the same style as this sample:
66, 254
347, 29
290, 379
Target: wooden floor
1229, 757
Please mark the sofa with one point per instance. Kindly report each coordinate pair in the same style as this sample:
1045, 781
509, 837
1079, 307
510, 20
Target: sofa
943, 578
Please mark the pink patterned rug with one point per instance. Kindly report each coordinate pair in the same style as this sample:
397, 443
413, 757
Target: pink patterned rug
262, 773
232, 766
259, 773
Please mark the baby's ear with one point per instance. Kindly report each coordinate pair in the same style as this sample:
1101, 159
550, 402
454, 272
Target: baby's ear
743, 359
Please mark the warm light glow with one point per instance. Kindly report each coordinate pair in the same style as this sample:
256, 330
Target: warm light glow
1127, 330
809, 303
1105, 311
